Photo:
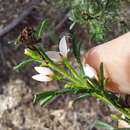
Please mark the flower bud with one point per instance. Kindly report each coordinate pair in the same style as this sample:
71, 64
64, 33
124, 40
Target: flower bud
33, 54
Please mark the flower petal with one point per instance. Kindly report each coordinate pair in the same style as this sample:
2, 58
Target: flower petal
89, 71
54, 56
63, 47
123, 124
42, 78
44, 70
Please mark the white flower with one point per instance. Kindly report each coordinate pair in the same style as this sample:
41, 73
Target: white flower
54, 56
63, 47
89, 71
123, 124
63, 51
45, 74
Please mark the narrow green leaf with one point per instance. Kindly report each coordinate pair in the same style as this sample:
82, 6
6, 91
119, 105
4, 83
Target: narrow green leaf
42, 95
101, 76
17, 41
47, 100
41, 29
72, 26
83, 96
103, 125
44, 98
76, 47
72, 91
69, 85
76, 51
122, 129
23, 64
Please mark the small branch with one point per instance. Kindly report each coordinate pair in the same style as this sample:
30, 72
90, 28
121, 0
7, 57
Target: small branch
15, 22
2, 51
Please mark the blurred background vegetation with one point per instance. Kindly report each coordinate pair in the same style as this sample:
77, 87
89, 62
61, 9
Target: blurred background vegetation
99, 17
93, 21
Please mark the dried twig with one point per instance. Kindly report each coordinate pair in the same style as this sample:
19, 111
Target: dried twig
1, 51
20, 18
15, 22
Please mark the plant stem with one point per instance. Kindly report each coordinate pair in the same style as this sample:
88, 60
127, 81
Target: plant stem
77, 76
105, 98
68, 65
100, 94
60, 70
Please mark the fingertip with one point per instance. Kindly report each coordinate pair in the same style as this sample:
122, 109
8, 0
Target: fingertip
112, 86
92, 58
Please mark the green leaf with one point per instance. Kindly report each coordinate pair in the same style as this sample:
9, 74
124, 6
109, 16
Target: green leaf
72, 26
68, 91
47, 100
101, 76
17, 41
83, 96
41, 29
44, 98
69, 85
103, 125
122, 129
23, 64
94, 81
76, 47
76, 51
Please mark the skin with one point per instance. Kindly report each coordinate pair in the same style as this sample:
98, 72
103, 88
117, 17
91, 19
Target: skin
115, 56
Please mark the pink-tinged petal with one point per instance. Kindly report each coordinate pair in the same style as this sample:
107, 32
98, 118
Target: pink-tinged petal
44, 70
123, 124
63, 47
89, 71
54, 56
42, 78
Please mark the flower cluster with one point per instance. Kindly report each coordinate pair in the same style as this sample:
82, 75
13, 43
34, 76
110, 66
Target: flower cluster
46, 74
